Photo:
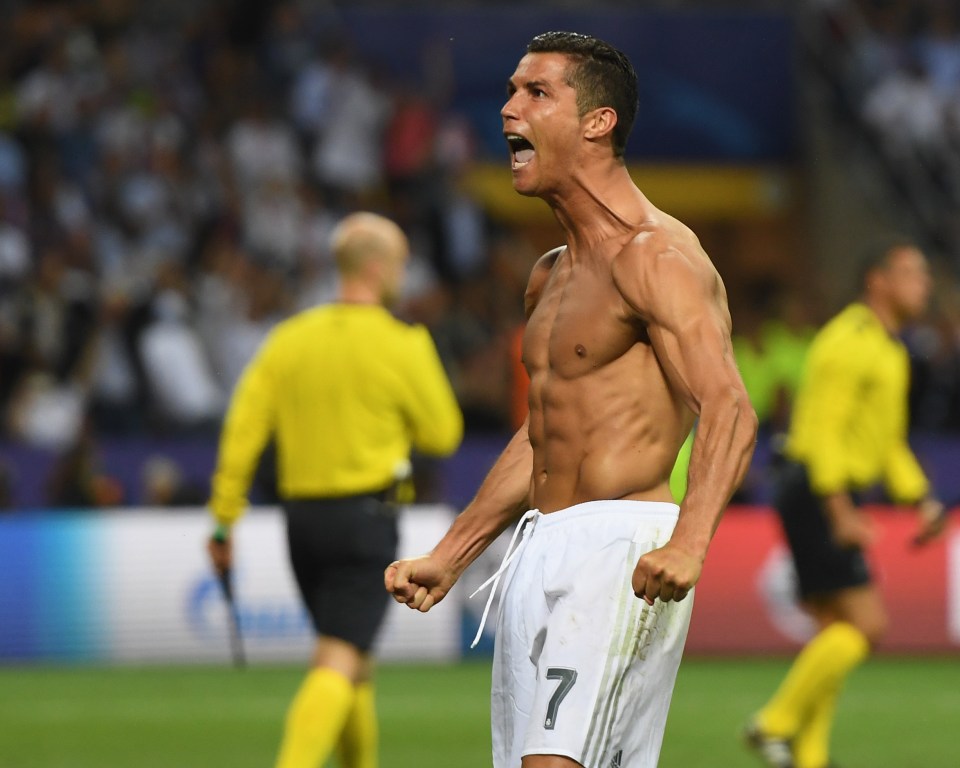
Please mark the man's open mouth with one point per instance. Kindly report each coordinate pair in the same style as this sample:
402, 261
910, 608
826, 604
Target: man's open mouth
521, 149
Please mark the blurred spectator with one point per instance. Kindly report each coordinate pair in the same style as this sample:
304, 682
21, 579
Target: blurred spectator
262, 148
46, 99
770, 341
938, 48
273, 222
880, 43
14, 249
13, 164
265, 302
906, 111
79, 481
934, 347
51, 351
409, 141
310, 97
164, 485
348, 154
316, 276
58, 314
186, 396
44, 412
118, 396
902, 85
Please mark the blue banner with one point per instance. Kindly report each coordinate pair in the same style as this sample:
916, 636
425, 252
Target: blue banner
714, 86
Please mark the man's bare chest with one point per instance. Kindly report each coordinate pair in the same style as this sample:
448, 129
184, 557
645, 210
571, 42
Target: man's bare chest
580, 324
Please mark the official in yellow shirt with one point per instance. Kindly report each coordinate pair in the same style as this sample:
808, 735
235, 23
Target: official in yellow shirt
347, 391
848, 432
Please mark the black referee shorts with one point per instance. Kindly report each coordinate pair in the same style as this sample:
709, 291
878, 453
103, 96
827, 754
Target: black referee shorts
822, 565
339, 549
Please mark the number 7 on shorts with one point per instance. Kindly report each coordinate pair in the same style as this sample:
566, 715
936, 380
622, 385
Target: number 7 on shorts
567, 678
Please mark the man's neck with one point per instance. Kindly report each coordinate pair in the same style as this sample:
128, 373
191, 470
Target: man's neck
888, 319
357, 292
595, 207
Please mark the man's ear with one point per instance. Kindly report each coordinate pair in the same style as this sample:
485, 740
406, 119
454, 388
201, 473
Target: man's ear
599, 122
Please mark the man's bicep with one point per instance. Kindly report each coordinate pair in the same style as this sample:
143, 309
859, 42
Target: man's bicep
682, 301
697, 357
255, 393
690, 329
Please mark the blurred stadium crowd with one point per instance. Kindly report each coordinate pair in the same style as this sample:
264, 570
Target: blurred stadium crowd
895, 65
166, 193
169, 175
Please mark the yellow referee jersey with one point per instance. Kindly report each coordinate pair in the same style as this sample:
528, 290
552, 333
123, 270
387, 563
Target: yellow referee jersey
849, 424
348, 390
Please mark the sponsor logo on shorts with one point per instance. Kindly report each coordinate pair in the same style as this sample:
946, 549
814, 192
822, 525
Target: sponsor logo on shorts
617, 757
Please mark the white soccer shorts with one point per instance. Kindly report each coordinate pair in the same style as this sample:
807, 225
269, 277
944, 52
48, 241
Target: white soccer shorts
582, 667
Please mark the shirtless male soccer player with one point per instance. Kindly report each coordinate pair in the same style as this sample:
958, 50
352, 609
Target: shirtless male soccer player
628, 340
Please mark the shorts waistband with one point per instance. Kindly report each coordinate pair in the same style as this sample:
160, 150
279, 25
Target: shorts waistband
630, 507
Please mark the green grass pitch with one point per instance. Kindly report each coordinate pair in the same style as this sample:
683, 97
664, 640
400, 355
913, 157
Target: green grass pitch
895, 713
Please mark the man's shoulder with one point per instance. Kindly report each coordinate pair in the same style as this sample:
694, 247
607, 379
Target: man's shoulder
855, 319
306, 323
665, 234
301, 320
538, 278
663, 246
395, 332
371, 323
547, 260
663, 267
854, 335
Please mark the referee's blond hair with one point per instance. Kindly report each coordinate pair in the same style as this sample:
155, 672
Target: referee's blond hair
361, 237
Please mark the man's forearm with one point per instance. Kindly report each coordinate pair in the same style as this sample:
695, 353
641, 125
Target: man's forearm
722, 449
502, 498
850, 527
839, 506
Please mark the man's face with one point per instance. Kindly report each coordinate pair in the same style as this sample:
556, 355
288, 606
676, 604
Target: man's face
540, 122
908, 283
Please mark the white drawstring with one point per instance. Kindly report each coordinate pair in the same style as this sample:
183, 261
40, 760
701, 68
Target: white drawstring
532, 514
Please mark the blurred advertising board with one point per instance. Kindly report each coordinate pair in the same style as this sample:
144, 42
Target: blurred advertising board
135, 586
745, 601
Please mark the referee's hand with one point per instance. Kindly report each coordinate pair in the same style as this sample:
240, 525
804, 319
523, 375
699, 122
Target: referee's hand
221, 554
932, 521
851, 527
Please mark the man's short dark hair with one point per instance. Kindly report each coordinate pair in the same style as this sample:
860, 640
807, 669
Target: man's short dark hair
601, 75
